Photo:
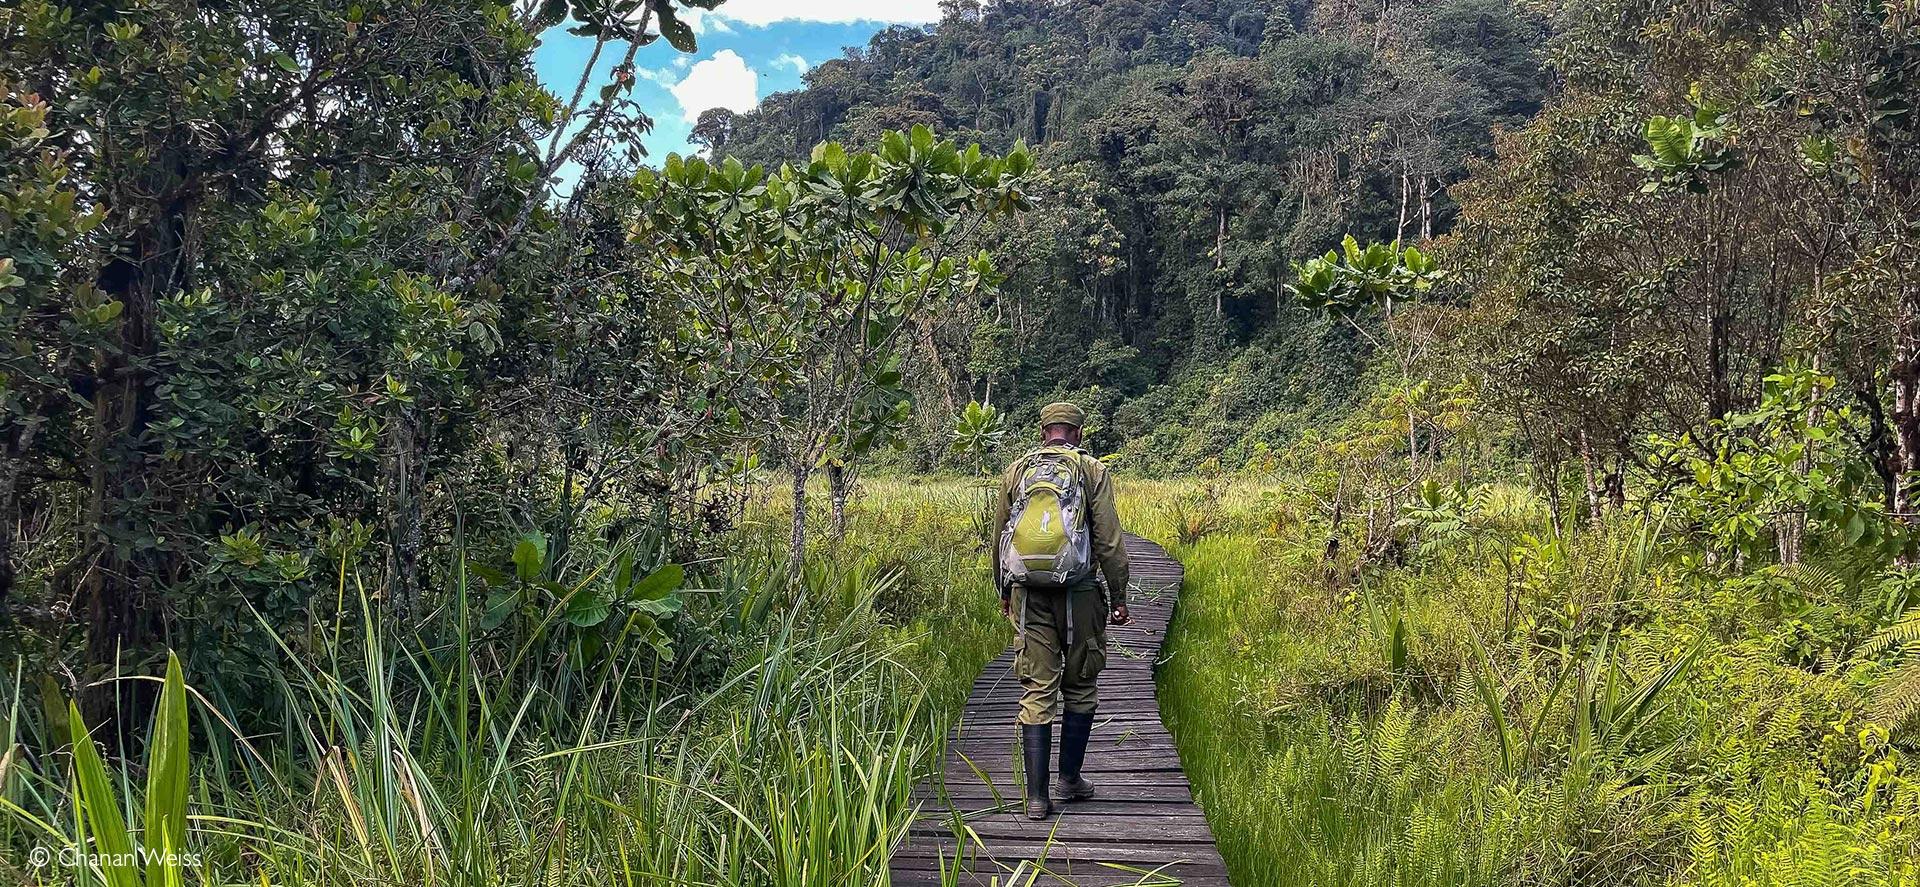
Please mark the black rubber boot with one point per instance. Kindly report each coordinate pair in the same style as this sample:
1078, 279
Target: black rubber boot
1074, 731
1036, 740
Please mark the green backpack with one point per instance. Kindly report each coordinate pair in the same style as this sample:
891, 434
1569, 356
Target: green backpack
1047, 542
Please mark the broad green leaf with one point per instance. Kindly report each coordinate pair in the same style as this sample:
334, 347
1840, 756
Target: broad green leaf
893, 147
587, 608
97, 809
678, 33
165, 824
623, 570
529, 556
487, 573
500, 606
665, 579
661, 608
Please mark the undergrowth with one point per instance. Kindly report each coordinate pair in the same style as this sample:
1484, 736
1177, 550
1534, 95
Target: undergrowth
1501, 705
777, 739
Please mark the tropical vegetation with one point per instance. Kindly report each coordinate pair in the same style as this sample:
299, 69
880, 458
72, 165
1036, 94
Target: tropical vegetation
406, 479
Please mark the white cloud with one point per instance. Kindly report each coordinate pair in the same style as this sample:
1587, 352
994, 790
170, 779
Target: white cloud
766, 12
702, 21
723, 81
798, 64
682, 61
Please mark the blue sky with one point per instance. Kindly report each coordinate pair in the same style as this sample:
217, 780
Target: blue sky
748, 50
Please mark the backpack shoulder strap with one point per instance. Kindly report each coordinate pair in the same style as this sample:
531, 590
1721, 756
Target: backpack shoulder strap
1089, 464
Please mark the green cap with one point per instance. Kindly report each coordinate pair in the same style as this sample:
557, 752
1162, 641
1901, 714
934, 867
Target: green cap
1062, 413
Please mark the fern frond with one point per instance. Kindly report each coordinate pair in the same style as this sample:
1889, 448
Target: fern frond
1705, 846
1463, 693
1814, 582
1895, 636
1897, 698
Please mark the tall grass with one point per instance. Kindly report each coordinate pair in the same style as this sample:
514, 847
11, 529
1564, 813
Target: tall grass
1515, 709
392, 760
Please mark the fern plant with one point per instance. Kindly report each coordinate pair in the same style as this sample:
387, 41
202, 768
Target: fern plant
1897, 697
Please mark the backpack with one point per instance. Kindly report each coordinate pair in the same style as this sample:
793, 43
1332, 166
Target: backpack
1047, 542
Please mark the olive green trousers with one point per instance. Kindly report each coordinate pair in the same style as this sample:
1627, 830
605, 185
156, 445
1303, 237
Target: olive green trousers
1059, 647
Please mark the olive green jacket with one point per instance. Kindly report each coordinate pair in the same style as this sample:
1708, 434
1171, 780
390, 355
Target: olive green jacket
1109, 549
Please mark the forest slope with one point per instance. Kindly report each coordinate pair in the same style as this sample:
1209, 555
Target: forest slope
1188, 153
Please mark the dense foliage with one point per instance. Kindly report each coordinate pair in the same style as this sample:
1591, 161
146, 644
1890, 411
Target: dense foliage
273, 266
290, 292
1188, 154
1543, 382
1609, 579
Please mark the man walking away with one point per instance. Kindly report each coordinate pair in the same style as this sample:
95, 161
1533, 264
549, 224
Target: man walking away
1057, 524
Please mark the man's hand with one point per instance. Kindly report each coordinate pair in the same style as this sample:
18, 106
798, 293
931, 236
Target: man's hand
1006, 607
1120, 616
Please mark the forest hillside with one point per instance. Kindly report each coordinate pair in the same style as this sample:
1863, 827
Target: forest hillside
1187, 154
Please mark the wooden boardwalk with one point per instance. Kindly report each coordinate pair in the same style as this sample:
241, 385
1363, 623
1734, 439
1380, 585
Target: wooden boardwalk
1142, 828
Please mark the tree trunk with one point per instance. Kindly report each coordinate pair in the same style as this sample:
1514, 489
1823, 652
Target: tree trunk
1219, 259
924, 326
1139, 287
122, 562
1614, 482
1904, 419
405, 489
1406, 194
1790, 529
797, 543
1426, 208
1220, 237
17, 449
572, 466
1789, 535
9, 525
839, 484
1406, 360
1413, 439
1589, 475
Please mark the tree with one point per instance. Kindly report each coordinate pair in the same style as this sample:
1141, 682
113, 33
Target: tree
1677, 224
977, 432
712, 130
298, 218
1228, 96
1357, 281
51, 336
812, 273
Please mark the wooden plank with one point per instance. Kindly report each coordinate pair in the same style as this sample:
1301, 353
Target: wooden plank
1142, 819
986, 742
1079, 876
1129, 830
978, 797
1061, 855
1008, 782
1065, 855
1153, 806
